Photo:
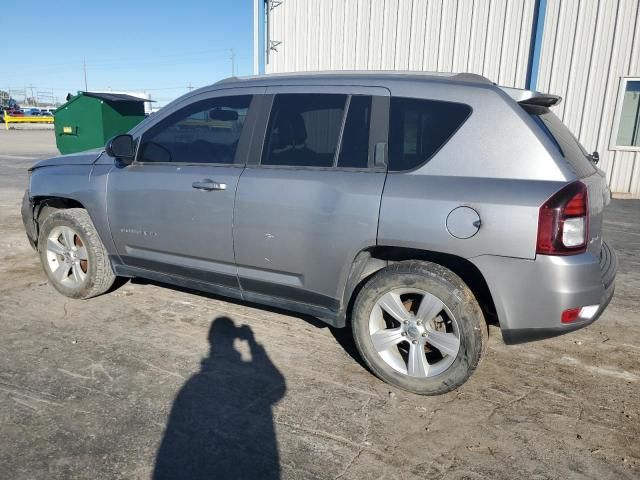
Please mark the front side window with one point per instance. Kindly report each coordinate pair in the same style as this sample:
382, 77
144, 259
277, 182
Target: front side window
628, 133
419, 128
205, 132
304, 130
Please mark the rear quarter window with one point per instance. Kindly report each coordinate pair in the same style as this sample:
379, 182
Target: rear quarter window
419, 128
566, 143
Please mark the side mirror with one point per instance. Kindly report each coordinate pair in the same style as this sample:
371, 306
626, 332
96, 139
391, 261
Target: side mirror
595, 158
121, 147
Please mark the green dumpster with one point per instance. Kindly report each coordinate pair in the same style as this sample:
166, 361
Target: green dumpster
89, 119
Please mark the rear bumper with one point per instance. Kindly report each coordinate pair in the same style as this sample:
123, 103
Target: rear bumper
530, 295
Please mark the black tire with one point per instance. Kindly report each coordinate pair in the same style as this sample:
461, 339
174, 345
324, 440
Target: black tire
99, 274
456, 296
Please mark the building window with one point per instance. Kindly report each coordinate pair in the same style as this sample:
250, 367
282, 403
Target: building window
627, 133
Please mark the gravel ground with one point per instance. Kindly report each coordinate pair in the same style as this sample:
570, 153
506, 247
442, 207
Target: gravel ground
95, 389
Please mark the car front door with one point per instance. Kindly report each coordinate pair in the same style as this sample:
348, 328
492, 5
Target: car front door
171, 210
309, 199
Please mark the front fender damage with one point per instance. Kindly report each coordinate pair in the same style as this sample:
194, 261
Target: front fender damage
28, 219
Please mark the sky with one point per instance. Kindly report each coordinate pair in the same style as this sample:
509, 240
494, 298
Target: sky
158, 46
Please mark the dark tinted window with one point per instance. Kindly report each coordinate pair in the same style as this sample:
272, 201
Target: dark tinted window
354, 152
303, 130
418, 128
568, 145
205, 132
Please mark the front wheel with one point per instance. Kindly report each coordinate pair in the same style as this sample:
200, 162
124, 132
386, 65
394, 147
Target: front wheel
419, 327
73, 256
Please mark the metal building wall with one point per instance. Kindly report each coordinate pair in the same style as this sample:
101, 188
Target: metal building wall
489, 37
587, 47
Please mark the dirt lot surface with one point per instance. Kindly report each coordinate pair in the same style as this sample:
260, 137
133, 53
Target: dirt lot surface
94, 389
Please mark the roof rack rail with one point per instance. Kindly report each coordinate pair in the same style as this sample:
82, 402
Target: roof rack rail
228, 79
465, 77
473, 77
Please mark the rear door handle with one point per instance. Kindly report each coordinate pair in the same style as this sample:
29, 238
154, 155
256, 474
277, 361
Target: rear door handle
379, 151
208, 184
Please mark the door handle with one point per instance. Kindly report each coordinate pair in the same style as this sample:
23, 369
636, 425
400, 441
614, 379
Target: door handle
208, 184
379, 154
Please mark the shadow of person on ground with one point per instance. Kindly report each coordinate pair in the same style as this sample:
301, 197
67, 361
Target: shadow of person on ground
221, 423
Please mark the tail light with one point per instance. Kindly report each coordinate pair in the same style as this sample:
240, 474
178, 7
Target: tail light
563, 222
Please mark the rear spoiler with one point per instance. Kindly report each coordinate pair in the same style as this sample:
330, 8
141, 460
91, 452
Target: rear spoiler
531, 97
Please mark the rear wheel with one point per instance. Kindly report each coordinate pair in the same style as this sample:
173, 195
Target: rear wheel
72, 254
419, 327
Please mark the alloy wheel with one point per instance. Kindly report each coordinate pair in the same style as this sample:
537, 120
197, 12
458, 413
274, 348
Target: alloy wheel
67, 256
414, 332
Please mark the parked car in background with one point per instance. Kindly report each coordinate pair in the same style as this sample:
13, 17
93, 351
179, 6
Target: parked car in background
414, 208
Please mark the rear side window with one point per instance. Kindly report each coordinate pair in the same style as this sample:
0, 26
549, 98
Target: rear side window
304, 130
568, 145
354, 152
419, 128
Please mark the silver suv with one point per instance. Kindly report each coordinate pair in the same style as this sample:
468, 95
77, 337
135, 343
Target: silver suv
414, 207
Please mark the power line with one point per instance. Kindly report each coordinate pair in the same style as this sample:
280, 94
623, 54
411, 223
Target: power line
136, 65
176, 87
150, 65
125, 60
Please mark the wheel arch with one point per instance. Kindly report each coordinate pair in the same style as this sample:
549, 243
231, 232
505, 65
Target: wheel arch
57, 202
44, 205
370, 260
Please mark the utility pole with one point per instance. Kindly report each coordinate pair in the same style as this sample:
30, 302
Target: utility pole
33, 99
190, 87
256, 37
84, 68
233, 63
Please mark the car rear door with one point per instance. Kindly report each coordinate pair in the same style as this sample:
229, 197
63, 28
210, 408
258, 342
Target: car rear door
309, 198
171, 211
